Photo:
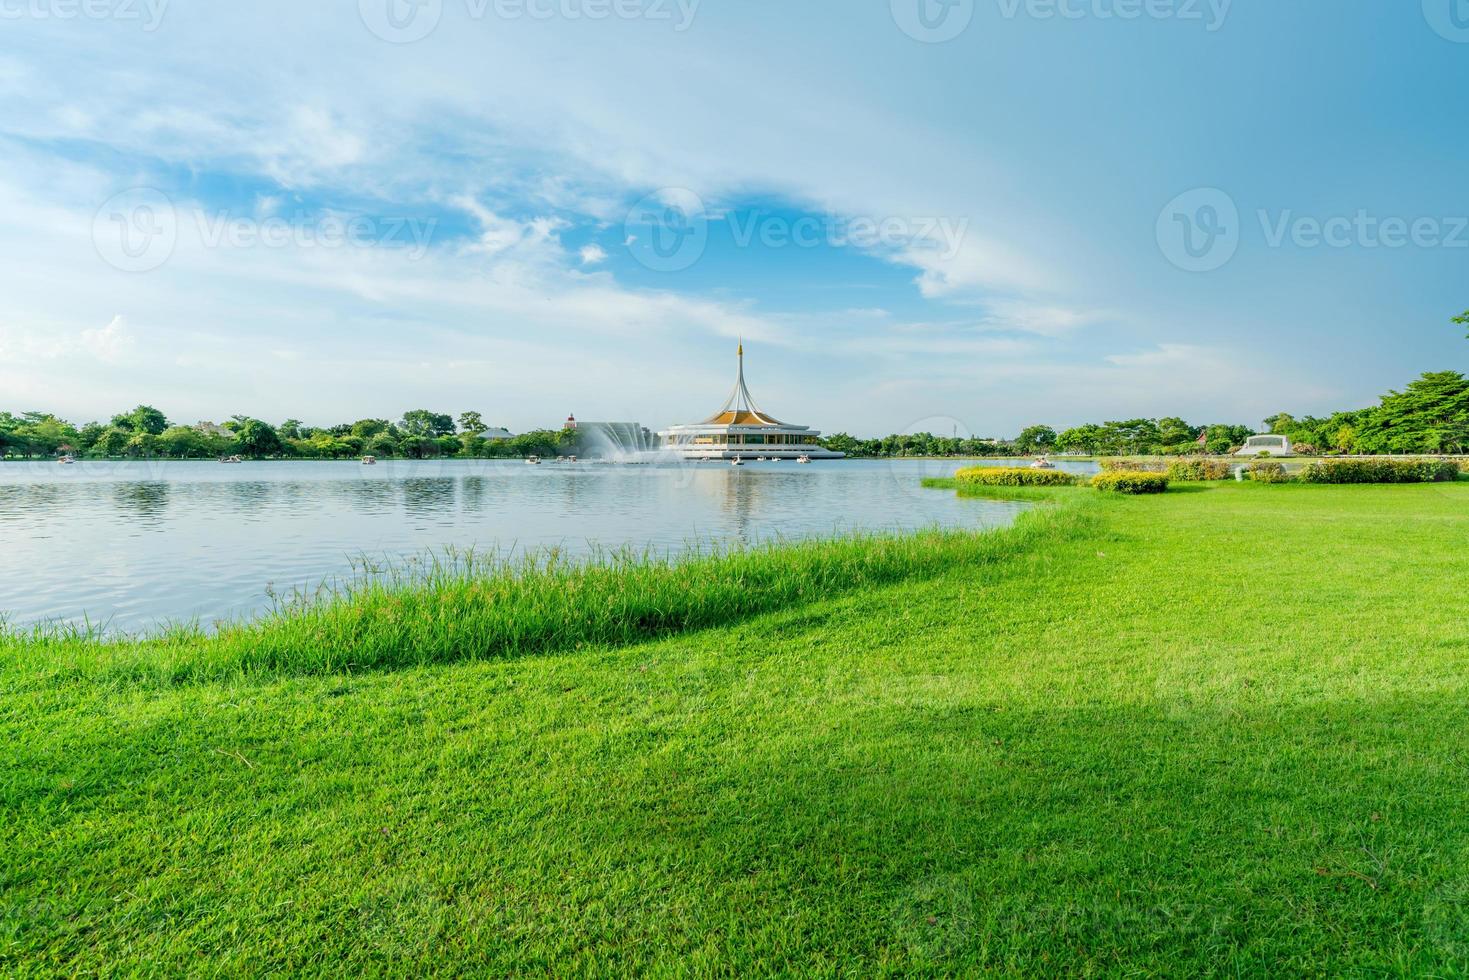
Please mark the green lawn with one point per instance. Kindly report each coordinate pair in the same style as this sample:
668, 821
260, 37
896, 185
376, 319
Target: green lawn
1225, 730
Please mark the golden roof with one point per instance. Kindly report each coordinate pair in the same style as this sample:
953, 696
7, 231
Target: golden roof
741, 417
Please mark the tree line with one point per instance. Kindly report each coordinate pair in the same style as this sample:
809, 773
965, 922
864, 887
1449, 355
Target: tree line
1429, 416
146, 433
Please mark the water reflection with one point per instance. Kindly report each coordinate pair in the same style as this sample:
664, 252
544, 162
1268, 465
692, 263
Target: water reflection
147, 502
74, 541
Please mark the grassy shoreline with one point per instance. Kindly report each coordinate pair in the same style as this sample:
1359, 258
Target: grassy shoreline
485, 608
1220, 730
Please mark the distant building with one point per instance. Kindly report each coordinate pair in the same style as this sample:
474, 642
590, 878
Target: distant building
497, 434
1268, 445
739, 430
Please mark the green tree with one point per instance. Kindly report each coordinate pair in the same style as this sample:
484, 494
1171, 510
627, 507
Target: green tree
144, 418
254, 437
1280, 423
425, 424
364, 428
38, 433
144, 444
383, 444
183, 442
1177, 436
112, 442
1463, 320
472, 423
1036, 438
1085, 439
1431, 415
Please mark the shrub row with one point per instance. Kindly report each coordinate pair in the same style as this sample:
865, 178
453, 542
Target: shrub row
1130, 481
1381, 471
1199, 470
1133, 466
1264, 472
993, 476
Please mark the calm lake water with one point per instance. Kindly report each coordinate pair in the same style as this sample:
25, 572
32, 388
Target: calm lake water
132, 545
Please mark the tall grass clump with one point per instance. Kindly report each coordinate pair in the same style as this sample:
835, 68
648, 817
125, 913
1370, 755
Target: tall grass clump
994, 476
1134, 482
1200, 470
1381, 471
473, 608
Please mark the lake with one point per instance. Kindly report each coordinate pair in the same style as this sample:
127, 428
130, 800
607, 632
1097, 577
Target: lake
131, 545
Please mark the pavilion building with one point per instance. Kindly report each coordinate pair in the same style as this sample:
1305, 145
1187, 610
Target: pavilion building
740, 430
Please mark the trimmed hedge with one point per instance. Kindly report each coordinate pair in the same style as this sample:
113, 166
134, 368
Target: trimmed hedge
1381, 471
1014, 476
1269, 473
1199, 470
1123, 465
1134, 481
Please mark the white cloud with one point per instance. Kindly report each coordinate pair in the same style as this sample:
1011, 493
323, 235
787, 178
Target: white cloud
109, 343
593, 254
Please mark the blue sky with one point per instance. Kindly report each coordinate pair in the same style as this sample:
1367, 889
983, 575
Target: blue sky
327, 215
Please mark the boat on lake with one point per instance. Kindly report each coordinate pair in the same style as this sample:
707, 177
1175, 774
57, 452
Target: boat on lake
66, 460
1042, 463
369, 460
533, 461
